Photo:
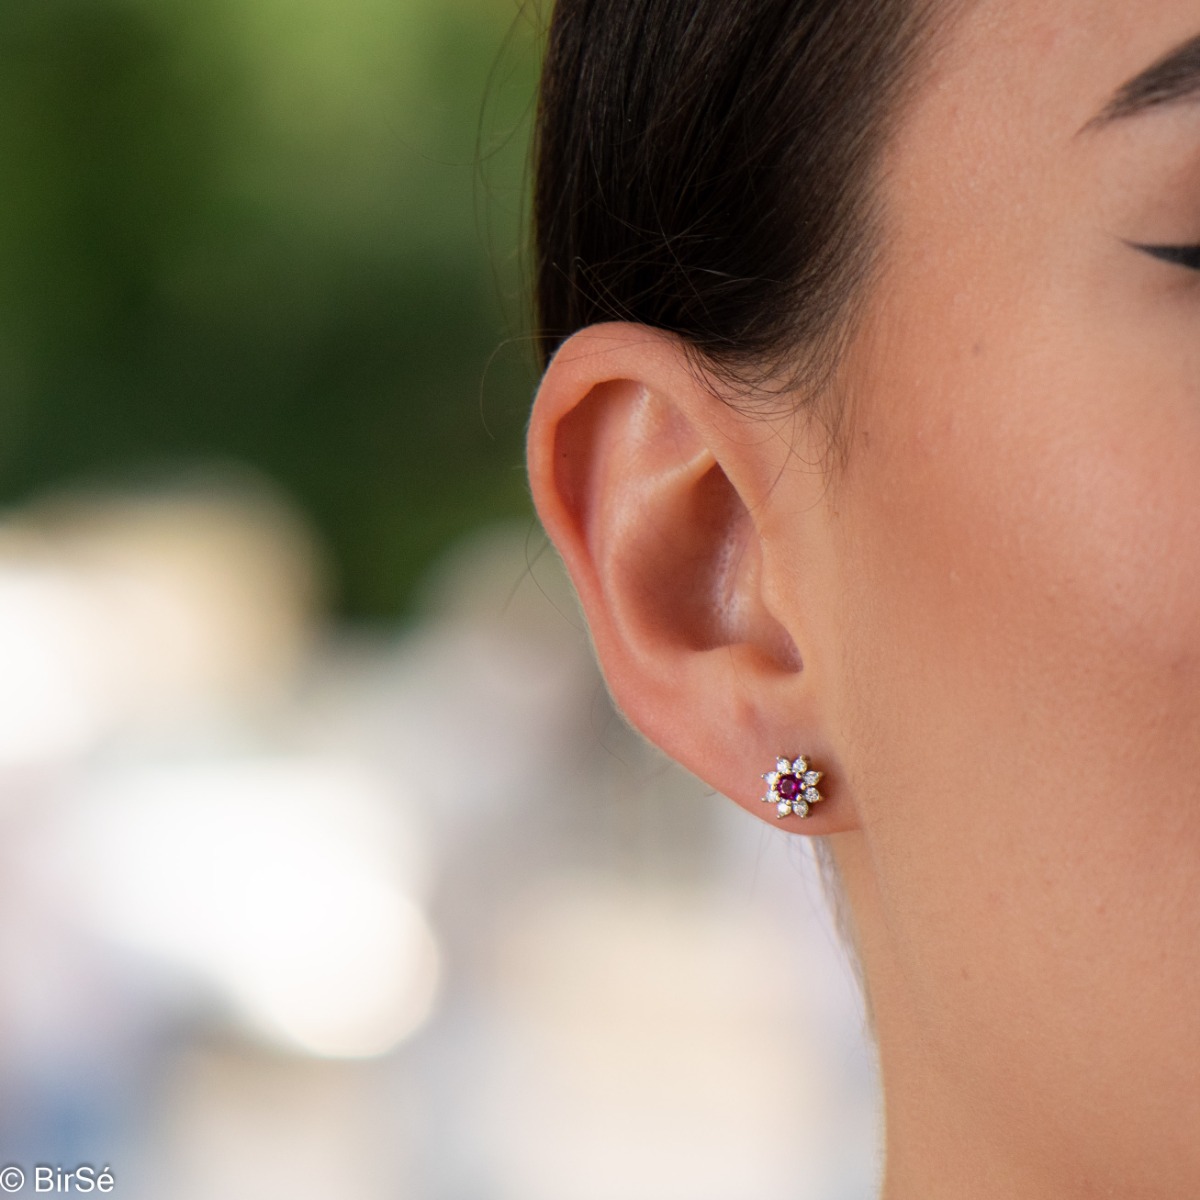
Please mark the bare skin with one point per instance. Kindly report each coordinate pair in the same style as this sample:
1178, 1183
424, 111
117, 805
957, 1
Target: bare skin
983, 620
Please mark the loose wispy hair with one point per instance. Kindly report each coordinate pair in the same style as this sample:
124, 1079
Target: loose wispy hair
707, 167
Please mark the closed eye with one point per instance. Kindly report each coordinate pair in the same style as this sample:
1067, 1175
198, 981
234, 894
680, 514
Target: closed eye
1180, 256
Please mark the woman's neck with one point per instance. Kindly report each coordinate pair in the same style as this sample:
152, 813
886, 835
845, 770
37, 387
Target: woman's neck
963, 1120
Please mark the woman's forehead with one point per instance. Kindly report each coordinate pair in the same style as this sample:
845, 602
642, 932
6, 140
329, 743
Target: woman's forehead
1077, 64
1038, 123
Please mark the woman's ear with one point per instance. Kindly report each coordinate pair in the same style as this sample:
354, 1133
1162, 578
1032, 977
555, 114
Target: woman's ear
653, 487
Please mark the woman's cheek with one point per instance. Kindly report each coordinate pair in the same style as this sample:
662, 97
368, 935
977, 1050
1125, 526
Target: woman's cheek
1021, 560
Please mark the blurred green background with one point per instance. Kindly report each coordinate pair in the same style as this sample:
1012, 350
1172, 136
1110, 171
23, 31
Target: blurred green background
278, 234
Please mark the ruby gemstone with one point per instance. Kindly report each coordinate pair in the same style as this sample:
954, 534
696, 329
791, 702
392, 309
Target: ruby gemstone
788, 787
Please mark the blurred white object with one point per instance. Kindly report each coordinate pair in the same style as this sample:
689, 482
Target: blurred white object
52, 671
644, 1000
146, 611
257, 1126
281, 883
656, 1047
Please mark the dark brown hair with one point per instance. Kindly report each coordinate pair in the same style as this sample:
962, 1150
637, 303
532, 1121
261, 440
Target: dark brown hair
706, 167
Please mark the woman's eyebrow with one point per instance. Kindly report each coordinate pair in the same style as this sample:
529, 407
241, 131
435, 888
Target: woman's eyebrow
1172, 78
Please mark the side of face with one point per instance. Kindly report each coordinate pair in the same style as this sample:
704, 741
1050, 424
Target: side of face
1017, 560
984, 623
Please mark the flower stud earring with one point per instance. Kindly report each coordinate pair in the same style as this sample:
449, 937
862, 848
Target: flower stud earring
792, 787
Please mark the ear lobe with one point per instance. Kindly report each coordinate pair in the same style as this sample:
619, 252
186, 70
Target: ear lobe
641, 488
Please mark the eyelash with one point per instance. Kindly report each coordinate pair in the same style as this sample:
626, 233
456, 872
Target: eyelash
1180, 256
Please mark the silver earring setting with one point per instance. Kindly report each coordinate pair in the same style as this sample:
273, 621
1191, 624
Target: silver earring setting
792, 787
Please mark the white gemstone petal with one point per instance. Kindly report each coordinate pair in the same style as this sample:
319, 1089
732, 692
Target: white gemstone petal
812, 796
782, 766
783, 808
800, 808
812, 778
799, 765
772, 779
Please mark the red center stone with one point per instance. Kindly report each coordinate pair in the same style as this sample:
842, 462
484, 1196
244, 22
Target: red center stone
788, 787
